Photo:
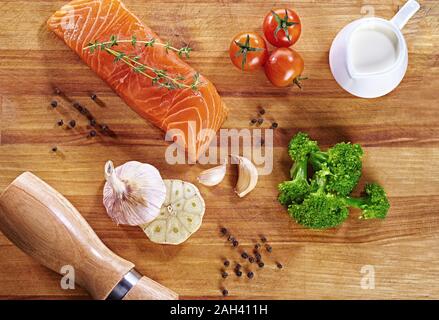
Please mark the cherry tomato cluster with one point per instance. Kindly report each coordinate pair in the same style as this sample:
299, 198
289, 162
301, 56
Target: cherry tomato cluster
283, 66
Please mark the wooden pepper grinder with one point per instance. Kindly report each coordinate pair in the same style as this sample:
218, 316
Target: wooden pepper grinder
45, 225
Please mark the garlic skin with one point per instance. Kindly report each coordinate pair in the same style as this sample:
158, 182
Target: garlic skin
248, 175
213, 176
133, 193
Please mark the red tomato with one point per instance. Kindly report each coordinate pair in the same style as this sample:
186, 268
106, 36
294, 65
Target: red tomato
282, 27
248, 51
283, 67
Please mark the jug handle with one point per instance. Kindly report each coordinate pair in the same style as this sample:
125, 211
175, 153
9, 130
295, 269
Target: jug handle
405, 13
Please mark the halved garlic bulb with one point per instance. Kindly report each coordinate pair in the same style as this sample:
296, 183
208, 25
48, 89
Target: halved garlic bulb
180, 216
213, 176
133, 193
248, 175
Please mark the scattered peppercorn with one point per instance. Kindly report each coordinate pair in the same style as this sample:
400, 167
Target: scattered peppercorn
274, 125
92, 133
279, 265
57, 91
93, 96
84, 111
262, 111
260, 121
244, 255
238, 266
263, 239
269, 248
258, 256
54, 149
257, 246
92, 122
230, 238
104, 127
226, 263
253, 121
224, 274
60, 122
235, 243
261, 264
251, 259
76, 104
72, 123
238, 273
225, 293
54, 103
250, 275
223, 231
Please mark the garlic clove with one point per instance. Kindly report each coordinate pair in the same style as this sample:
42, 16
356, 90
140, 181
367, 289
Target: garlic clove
181, 214
248, 176
213, 176
134, 193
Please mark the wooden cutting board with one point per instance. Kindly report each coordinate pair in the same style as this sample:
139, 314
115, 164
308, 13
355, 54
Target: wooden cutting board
399, 132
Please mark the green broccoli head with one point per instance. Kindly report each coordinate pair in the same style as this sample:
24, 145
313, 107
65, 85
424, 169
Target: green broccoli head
293, 191
344, 162
374, 204
320, 211
301, 146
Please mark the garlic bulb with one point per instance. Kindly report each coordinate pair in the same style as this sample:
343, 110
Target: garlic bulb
181, 214
213, 176
133, 193
248, 175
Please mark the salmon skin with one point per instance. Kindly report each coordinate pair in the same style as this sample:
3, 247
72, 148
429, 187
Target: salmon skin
191, 117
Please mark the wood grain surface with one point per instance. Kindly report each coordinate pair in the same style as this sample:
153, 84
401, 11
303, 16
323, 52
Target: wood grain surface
399, 132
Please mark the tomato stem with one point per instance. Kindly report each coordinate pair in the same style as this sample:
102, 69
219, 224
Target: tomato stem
298, 81
283, 24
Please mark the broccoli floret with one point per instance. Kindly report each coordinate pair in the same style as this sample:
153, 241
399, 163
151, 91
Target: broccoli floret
301, 146
344, 162
320, 210
294, 191
374, 203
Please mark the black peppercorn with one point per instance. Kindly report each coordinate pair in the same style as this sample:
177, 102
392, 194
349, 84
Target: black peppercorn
244, 255
224, 274
274, 125
260, 121
54, 104
251, 259
263, 239
223, 231
250, 275
60, 122
257, 246
226, 263
230, 238
92, 133
76, 104
262, 111
238, 273
104, 127
57, 91
261, 264
72, 123
235, 243
258, 256
279, 265
93, 96
92, 122
84, 111
269, 248
54, 149
225, 293
253, 121
238, 266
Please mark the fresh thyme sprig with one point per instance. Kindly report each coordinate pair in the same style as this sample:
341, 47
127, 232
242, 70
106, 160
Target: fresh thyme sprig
114, 41
159, 77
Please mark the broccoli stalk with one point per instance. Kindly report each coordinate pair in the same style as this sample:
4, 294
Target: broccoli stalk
299, 149
344, 162
374, 204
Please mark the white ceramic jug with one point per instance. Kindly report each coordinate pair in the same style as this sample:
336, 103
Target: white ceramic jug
369, 56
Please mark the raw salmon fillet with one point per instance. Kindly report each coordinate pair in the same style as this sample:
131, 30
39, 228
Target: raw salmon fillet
197, 115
